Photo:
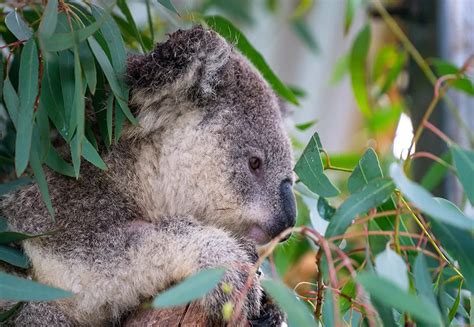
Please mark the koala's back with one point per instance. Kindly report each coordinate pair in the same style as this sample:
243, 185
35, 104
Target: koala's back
89, 213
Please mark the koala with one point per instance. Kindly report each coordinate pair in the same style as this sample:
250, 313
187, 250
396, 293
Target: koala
204, 179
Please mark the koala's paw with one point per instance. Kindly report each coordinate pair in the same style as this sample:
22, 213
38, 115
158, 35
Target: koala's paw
233, 288
270, 315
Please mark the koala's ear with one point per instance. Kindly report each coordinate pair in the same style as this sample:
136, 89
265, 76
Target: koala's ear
188, 63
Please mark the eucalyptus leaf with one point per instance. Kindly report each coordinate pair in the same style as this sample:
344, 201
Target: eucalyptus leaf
372, 195
49, 19
464, 162
298, 314
13, 256
19, 289
358, 70
11, 100
390, 265
192, 288
423, 282
168, 5
310, 170
426, 203
17, 25
14, 185
27, 92
91, 155
390, 294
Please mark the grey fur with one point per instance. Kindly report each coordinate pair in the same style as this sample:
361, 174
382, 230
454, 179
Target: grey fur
178, 196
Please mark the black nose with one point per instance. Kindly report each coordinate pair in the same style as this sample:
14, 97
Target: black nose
288, 203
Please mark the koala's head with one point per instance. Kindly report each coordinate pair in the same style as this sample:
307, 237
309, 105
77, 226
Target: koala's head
211, 140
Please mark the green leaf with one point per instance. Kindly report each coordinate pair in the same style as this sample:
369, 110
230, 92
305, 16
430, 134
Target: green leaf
13, 256
351, 6
52, 92
88, 64
325, 210
372, 195
458, 242
27, 92
328, 308
77, 117
112, 78
14, 185
122, 4
464, 162
298, 314
387, 292
19, 289
11, 100
305, 126
1, 76
17, 26
63, 41
91, 155
7, 237
341, 68
310, 170
66, 72
304, 33
41, 180
5, 315
233, 35
390, 265
54, 161
455, 306
358, 69
423, 282
109, 117
49, 20
426, 203
192, 288
436, 173
168, 5
367, 169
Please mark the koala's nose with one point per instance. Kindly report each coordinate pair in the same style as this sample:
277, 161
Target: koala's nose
288, 203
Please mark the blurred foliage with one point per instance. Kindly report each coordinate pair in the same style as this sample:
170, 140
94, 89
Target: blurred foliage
369, 231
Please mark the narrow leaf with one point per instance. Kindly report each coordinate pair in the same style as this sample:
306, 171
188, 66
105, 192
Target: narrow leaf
304, 33
426, 203
464, 162
387, 292
17, 26
298, 314
372, 195
192, 288
40, 179
13, 256
27, 92
233, 35
168, 5
49, 19
91, 155
112, 78
357, 67
11, 100
423, 282
54, 161
14, 185
122, 4
19, 289
88, 65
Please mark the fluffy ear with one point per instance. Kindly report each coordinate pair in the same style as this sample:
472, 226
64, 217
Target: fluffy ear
187, 64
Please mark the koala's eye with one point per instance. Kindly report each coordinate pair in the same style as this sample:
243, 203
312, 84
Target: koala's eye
255, 163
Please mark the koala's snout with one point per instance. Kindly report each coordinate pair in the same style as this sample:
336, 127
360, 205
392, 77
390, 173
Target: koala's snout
288, 203
287, 215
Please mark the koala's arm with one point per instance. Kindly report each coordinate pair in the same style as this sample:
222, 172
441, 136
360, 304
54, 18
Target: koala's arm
154, 257
171, 251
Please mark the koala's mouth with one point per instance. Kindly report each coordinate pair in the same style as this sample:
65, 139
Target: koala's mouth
258, 235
